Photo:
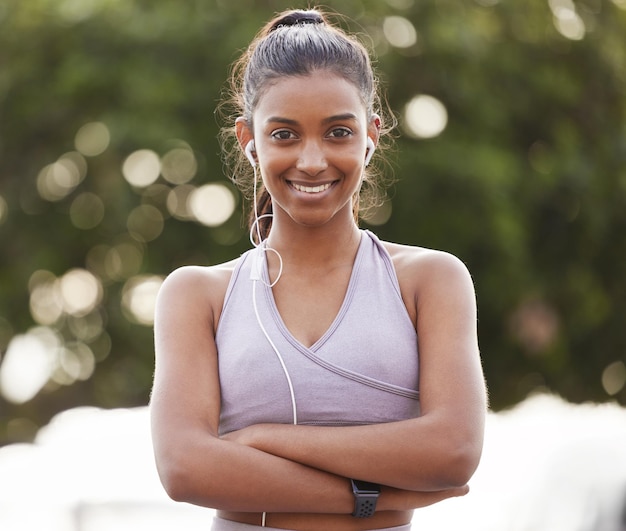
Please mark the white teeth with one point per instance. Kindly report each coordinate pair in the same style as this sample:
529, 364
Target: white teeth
311, 189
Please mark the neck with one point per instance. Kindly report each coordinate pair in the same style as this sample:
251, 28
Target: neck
312, 248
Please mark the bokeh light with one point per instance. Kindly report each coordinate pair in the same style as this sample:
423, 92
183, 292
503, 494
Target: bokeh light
176, 202
614, 377
75, 361
86, 328
86, 211
123, 260
179, 166
566, 20
77, 293
139, 298
92, 139
145, 223
28, 364
70, 302
535, 324
212, 204
4, 210
141, 168
46, 302
116, 262
81, 291
541, 158
101, 346
399, 31
156, 195
425, 117
58, 179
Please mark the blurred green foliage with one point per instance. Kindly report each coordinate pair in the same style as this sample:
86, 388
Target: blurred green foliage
526, 184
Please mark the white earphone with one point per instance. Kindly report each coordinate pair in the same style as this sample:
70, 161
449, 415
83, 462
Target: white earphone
370, 150
248, 151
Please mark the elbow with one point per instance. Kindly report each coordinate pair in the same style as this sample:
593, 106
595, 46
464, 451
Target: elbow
180, 479
451, 463
451, 467
175, 480
459, 464
459, 449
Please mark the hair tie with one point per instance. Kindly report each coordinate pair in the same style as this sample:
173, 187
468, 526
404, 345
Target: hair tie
299, 18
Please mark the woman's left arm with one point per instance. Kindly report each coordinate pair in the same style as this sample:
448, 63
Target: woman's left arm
441, 448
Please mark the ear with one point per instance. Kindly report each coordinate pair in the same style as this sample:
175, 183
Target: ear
244, 132
373, 128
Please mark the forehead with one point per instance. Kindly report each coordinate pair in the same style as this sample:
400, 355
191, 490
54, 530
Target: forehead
320, 94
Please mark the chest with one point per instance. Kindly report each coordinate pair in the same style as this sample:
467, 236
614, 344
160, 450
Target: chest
308, 304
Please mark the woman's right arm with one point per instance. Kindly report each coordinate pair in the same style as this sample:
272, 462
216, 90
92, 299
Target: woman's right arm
194, 464
197, 466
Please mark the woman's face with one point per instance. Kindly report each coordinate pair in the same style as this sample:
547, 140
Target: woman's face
310, 135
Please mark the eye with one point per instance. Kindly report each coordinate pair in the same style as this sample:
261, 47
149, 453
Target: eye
283, 134
340, 132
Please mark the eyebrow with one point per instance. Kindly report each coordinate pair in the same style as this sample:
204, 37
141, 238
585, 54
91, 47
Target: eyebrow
339, 117
329, 119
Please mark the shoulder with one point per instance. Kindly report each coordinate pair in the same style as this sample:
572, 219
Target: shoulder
194, 277
422, 271
420, 260
195, 289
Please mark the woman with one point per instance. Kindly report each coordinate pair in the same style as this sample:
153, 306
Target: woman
325, 379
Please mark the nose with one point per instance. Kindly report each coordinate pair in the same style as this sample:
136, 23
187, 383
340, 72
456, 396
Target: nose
312, 159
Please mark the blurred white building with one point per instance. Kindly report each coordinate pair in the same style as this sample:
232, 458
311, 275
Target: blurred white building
547, 466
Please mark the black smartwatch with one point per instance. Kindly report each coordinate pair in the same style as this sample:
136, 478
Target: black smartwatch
365, 498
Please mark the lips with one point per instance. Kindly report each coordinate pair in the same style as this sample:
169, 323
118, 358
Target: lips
311, 189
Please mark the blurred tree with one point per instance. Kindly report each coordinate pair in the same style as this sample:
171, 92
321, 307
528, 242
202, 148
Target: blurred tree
525, 179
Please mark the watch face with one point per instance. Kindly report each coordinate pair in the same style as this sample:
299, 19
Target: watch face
365, 487
365, 497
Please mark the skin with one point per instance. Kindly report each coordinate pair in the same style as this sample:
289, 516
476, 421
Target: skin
311, 132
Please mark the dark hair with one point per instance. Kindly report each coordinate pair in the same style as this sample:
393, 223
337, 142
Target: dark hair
294, 43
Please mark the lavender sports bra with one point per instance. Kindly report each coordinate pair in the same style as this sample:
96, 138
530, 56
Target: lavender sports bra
363, 370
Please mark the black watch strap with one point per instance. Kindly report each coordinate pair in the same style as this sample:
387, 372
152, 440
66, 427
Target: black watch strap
365, 498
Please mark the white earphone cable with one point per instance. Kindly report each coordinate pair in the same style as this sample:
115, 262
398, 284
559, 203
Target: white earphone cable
278, 354
257, 275
256, 210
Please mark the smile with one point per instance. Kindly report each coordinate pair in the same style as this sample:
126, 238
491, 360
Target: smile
311, 189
